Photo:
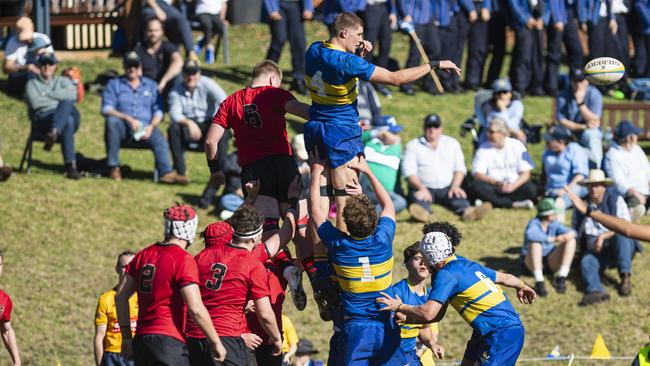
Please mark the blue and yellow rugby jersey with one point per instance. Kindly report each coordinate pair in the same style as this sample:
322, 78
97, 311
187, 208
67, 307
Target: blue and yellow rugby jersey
363, 267
331, 76
470, 289
409, 332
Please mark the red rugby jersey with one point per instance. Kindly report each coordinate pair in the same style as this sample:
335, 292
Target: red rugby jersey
160, 271
256, 116
229, 277
276, 290
6, 306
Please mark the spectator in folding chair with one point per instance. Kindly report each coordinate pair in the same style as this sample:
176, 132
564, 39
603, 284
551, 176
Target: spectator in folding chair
192, 104
51, 99
16, 64
505, 106
133, 110
160, 59
211, 14
176, 24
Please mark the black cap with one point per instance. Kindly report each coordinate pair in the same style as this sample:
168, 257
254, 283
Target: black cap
577, 75
432, 120
131, 59
46, 59
191, 67
305, 347
558, 132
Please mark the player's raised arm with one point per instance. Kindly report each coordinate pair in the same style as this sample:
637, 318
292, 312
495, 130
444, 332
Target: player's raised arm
388, 209
316, 213
297, 108
399, 77
525, 294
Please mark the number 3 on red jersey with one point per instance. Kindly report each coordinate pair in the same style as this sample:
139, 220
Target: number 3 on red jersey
218, 272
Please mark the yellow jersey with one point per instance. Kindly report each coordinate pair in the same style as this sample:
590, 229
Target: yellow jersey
106, 313
289, 334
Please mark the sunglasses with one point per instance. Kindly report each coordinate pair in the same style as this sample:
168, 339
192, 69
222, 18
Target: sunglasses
432, 125
492, 131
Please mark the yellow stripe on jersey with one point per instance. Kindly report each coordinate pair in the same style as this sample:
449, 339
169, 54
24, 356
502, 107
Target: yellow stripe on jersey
365, 277
410, 330
328, 94
488, 294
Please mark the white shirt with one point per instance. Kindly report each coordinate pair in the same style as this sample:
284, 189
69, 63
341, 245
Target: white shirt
435, 168
209, 6
505, 164
594, 228
16, 51
618, 7
629, 169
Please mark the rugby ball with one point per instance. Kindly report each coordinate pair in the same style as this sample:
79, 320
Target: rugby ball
604, 70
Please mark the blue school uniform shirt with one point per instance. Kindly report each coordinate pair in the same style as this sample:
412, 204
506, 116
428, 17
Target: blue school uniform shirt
410, 332
535, 233
561, 168
363, 267
332, 75
470, 289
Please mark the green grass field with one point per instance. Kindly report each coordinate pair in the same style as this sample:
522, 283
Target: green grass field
60, 237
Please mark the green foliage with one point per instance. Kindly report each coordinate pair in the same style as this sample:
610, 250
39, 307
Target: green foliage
61, 237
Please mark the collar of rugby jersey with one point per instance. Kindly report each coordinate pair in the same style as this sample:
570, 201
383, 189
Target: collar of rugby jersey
327, 44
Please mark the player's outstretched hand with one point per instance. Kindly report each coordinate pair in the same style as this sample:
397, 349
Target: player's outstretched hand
277, 346
354, 188
216, 179
400, 318
252, 189
526, 295
391, 303
361, 166
438, 351
448, 65
252, 341
127, 349
218, 351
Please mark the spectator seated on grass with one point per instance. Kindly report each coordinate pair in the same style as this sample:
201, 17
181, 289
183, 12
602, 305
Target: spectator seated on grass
51, 100
434, 166
161, 61
628, 165
133, 110
18, 64
503, 106
579, 108
501, 169
290, 340
192, 104
564, 164
383, 150
603, 248
548, 247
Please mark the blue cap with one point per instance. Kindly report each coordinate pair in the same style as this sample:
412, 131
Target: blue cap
391, 123
501, 85
625, 128
46, 59
558, 132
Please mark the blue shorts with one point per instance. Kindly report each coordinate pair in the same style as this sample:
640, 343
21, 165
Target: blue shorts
339, 142
499, 348
335, 356
412, 358
372, 343
114, 359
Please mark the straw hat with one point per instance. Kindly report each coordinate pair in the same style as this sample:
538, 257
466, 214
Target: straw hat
596, 176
